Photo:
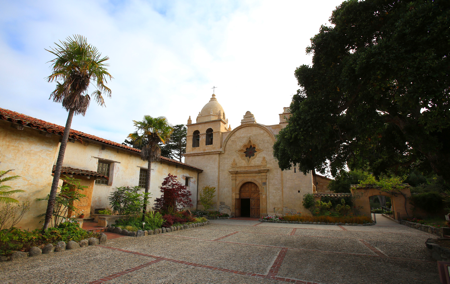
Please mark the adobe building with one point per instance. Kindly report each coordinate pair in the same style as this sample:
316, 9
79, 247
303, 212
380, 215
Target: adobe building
240, 164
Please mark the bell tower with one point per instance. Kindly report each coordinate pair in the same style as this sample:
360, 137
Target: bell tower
205, 134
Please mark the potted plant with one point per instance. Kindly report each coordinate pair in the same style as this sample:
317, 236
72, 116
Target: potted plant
81, 215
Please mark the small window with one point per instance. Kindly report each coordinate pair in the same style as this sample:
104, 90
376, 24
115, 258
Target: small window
186, 183
142, 177
295, 169
209, 136
196, 139
104, 169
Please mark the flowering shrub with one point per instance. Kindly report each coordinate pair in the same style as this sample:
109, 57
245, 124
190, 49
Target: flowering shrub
272, 218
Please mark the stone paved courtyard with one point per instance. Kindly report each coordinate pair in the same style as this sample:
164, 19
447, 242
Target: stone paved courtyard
235, 251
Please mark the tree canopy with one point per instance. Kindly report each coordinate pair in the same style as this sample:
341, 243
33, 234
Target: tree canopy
377, 93
176, 145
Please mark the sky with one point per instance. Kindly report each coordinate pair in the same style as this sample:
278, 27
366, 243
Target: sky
165, 57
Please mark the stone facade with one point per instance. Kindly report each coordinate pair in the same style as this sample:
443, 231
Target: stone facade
235, 159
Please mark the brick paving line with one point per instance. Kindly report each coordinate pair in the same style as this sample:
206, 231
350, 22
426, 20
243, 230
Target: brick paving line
272, 272
257, 224
225, 236
129, 270
342, 228
304, 249
293, 232
374, 249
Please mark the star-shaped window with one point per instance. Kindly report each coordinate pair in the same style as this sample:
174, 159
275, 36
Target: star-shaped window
250, 152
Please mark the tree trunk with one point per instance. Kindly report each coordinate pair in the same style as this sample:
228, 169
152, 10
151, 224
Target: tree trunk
382, 200
147, 184
59, 163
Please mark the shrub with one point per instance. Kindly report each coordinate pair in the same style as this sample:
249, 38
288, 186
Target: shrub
152, 220
105, 212
431, 202
308, 200
65, 198
127, 200
337, 200
175, 196
206, 197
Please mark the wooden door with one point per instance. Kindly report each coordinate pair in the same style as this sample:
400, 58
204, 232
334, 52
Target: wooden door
251, 191
237, 208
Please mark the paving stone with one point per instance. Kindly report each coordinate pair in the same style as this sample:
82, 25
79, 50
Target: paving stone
48, 248
93, 241
60, 246
72, 245
18, 255
84, 243
35, 251
103, 238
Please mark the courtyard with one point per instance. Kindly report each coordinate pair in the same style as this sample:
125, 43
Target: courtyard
243, 251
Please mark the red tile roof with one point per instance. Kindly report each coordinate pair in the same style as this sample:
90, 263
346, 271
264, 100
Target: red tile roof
28, 121
79, 172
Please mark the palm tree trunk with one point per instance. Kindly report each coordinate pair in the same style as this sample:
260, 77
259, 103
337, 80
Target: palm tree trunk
59, 163
147, 184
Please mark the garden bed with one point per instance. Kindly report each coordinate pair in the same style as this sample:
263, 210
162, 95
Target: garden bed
18, 244
142, 233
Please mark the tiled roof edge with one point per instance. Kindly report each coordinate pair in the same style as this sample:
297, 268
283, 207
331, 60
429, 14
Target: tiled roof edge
42, 125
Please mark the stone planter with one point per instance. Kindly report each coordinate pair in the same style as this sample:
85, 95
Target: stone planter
438, 252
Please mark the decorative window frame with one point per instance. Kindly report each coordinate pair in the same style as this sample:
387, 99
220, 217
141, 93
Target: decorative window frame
244, 148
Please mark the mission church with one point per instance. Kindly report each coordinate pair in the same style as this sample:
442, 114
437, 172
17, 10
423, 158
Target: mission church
240, 164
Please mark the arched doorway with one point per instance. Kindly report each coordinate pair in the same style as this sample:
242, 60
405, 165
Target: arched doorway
247, 205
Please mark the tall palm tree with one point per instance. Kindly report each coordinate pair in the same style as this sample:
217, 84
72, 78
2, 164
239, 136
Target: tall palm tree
75, 65
5, 191
149, 132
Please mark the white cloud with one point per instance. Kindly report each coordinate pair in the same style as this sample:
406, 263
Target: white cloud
164, 56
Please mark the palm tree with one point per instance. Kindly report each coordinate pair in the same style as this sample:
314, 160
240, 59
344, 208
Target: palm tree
150, 132
75, 65
4, 189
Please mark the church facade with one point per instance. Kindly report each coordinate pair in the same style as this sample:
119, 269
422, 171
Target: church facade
240, 164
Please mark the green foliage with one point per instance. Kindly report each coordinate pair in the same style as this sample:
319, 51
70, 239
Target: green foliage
382, 98
152, 220
175, 147
342, 208
308, 200
65, 198
105, 212
430, 202
206, 197
387, 184
343, 181
337, 200
15, 239
5, 190
126, 200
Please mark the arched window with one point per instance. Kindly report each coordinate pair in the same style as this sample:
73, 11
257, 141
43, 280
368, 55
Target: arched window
196, 139
209, 136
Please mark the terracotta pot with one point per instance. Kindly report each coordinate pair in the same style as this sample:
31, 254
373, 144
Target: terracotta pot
82, 216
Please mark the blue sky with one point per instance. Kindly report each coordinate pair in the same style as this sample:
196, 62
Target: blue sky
165, 56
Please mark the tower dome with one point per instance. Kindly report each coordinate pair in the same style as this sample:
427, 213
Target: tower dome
211, 111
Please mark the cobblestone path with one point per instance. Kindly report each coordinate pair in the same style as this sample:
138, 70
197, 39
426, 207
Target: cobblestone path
235, 251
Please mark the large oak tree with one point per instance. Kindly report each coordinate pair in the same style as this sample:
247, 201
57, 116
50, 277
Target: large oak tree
377, 93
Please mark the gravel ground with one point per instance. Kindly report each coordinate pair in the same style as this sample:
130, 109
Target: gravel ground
224, 250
